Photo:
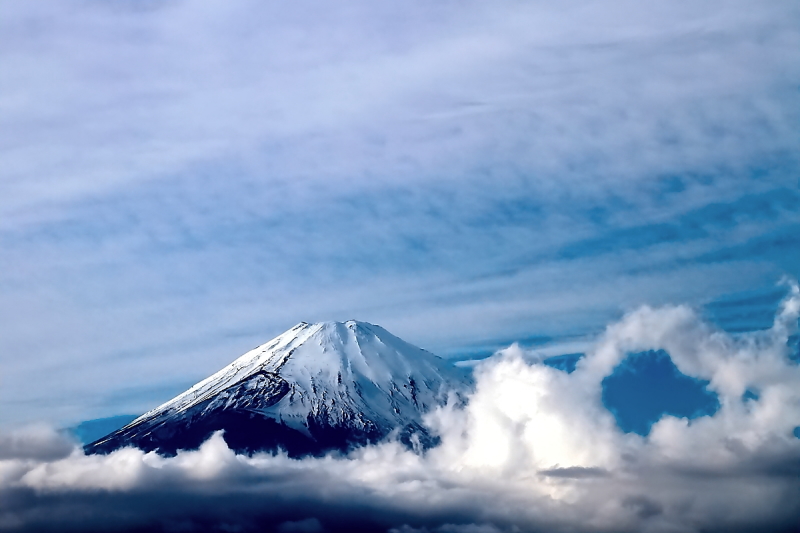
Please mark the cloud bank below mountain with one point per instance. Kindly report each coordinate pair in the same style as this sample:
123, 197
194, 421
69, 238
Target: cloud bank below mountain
533, 450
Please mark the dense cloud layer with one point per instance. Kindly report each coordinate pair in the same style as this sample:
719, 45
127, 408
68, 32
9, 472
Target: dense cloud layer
534, 450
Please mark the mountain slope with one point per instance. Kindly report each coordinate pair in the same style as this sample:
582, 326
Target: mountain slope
315, 388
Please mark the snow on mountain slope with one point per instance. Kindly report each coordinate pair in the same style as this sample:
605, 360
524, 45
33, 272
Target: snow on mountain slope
316, 387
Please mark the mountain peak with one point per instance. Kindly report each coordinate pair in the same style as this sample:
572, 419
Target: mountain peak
316, 387
330, 325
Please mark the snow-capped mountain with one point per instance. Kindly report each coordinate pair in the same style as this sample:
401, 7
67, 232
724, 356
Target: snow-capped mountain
315, 388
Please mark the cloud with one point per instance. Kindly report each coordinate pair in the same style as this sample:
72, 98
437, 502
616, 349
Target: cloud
532, 450
574, 472
309, 525
39, 442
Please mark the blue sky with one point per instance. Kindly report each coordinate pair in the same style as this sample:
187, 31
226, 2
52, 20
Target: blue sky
183, 181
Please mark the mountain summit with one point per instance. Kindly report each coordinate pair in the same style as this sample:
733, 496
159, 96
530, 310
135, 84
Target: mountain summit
315, 388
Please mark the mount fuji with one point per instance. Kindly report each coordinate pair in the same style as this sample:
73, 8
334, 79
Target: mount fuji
316, 388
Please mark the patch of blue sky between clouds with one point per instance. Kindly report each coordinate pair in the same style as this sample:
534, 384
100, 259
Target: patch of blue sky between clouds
566, 362
781, 246
779, 206
750, 395
647, 386
91, 430
743, 311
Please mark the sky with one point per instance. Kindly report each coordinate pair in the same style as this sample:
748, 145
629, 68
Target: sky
182, 181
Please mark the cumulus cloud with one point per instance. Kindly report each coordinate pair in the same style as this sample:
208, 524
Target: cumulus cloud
533, 450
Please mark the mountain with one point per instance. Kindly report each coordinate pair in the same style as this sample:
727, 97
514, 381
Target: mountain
313, 389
